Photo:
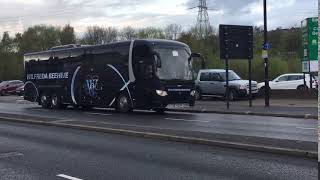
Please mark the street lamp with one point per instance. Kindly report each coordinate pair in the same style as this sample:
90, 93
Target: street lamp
266, 61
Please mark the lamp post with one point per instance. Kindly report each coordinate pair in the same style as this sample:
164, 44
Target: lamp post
266, 60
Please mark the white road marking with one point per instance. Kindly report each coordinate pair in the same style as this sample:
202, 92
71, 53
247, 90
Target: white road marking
10, 154
306, 128
121, 124
188, 120
103, 114
68, 177
62, 121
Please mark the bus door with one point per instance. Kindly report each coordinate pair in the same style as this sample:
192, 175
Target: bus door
142, 67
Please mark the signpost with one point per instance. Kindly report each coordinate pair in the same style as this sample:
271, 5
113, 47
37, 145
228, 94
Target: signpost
236, 42
265, 55
310, 46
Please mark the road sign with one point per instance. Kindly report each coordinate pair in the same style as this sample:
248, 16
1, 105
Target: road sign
266, 46
310, 44
236, 42
265, 53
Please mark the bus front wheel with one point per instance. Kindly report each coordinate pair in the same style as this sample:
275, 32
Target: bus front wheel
123, 104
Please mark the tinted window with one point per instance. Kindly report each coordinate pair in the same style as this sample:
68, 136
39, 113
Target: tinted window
62, 54
204, 76
294, 77
215, 77
77, 52
283, 78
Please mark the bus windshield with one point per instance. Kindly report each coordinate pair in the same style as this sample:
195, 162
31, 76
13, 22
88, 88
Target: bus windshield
174, 63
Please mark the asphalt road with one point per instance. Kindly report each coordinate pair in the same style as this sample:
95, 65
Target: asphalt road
237, 125
31, 152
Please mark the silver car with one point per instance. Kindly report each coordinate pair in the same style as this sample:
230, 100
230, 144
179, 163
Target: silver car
212, 82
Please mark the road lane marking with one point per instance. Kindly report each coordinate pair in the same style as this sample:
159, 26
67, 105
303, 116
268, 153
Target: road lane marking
306, 128
103, 114
129, 125
187, 120
62, 121
68, 177
10, 154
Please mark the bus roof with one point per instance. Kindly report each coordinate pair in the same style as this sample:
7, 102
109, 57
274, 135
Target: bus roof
82, 49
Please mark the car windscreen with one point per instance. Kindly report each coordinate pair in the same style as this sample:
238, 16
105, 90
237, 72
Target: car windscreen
232, 76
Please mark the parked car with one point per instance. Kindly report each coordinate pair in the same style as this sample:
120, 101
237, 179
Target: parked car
289, 81
19, 91
212, 82
10, 87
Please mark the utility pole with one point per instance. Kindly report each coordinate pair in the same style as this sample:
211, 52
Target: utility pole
203, 24
266, 59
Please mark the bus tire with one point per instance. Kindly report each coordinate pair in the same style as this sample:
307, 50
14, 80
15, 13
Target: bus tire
160, 110
123, 104
44, 101
56, 102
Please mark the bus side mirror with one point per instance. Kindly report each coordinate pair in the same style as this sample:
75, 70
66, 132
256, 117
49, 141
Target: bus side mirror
195, 55
198, 55
157, 59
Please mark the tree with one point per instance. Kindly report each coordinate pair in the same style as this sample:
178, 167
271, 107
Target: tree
128, 33
6, 45
151, 33
67, 35
110, 35
39, 38
98, 35
172, 31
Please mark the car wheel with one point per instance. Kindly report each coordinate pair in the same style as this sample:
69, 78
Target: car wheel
2, 93
197, 94
232, 95
123, 104
302, 88
44, 101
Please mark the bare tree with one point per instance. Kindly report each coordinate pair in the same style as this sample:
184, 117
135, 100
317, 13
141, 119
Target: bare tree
172, 31
100, 35
151, 33
128, 33
110, 35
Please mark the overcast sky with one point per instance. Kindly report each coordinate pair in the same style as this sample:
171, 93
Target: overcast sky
17, 15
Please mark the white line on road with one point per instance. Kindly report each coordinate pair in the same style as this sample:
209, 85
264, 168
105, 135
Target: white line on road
10, 154
68, 177
188, 120
306, 128
103, 114
62, 121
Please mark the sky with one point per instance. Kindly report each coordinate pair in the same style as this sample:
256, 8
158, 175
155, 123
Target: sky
18, 15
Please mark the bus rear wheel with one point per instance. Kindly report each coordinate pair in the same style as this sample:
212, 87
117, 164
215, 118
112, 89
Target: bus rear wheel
56, 102
44, 101
160, 110
123, 104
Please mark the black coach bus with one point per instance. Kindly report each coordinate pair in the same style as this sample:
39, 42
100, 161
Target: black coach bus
139, 74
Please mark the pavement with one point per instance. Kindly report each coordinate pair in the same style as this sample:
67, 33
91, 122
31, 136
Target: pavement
257, 133
295, 108
34, 152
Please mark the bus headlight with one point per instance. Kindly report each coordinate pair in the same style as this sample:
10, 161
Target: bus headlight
162, 93
192, 93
